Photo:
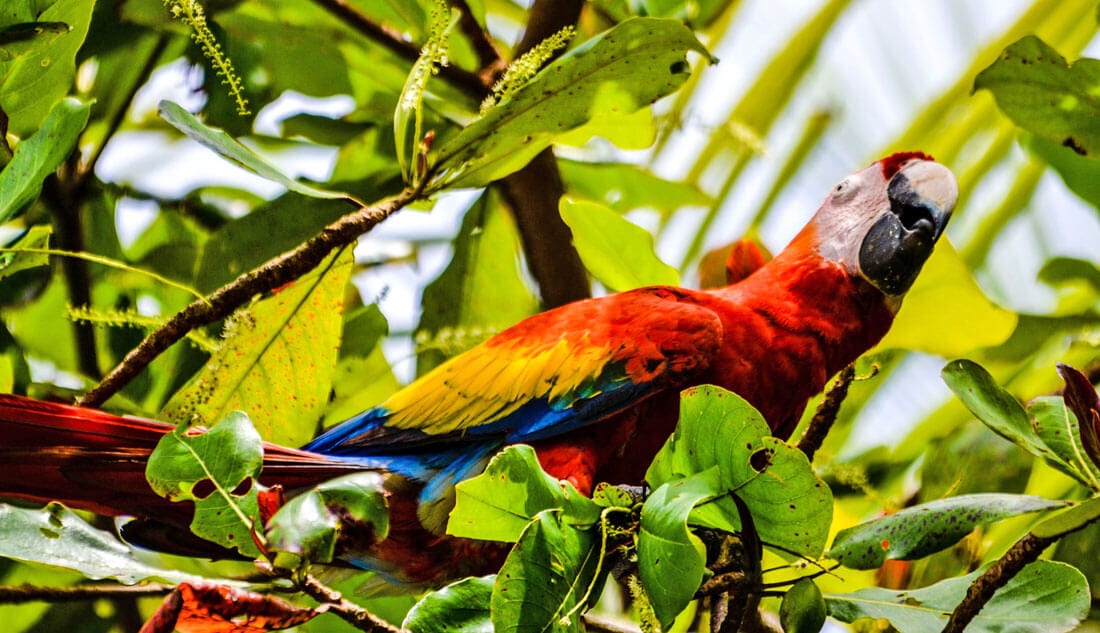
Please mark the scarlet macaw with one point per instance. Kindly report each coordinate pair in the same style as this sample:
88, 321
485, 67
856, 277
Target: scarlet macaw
593, 386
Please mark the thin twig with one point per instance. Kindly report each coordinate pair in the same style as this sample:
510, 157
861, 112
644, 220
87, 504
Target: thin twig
826, 413
337, 604
597, 624
19, 594
223, 301
64, 194
397, 44
1024, 552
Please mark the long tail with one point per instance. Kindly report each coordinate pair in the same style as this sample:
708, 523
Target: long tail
92, 460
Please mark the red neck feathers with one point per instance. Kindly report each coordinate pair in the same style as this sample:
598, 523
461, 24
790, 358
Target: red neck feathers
807, 318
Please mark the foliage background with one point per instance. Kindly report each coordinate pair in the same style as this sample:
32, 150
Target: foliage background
804, 93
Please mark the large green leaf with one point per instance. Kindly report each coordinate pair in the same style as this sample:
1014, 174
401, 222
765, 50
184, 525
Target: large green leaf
1040, 92
928, 528
461, 606
40, 155
1045, 597
624, 187
545, 582
277, 359
483, 288
56, 536
945, 312
791, 507
671, 560
498, 504
618, 252
217, 470
621, 70
35, 74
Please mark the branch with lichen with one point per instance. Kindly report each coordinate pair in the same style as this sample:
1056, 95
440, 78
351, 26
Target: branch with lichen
223, 301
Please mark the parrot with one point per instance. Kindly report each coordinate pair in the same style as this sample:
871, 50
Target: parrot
592, 386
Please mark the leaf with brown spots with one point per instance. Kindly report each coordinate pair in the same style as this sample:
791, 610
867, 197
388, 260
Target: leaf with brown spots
1042, 93
928, 528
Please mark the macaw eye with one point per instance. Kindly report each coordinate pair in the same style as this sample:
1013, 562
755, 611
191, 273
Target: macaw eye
843, 189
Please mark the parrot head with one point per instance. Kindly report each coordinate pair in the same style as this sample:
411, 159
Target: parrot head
882, 222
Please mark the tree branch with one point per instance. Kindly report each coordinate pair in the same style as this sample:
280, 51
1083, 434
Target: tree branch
533, 194
223, 301
19, 594
826, 413
1024, 552
534, 191
491, 61
337, 604
63, 193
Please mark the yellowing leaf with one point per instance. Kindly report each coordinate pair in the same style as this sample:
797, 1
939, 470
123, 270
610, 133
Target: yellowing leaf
946, 313
277, 360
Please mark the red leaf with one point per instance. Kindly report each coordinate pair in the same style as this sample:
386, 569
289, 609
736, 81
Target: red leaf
1081, 398
210, 608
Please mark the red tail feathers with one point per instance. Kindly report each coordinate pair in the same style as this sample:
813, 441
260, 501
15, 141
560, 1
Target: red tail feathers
95, 461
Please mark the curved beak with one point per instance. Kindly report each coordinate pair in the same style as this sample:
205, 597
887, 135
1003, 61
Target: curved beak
922, 195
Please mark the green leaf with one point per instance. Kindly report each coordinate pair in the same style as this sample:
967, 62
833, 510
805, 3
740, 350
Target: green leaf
233, 151
216, 469
997, 408
921, 530
791, 507
461, 606
618, 252
40, 155
803, 608
672, 560
945, 313
57, 536
1069, 521
267, 231
1058, 429
1045, 597
498, 504
277, 359
1081, 174
309, 525
359, 384
624, 187
1040, 92
11, 262
35, 74
623, 69
482, 289
544, 583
